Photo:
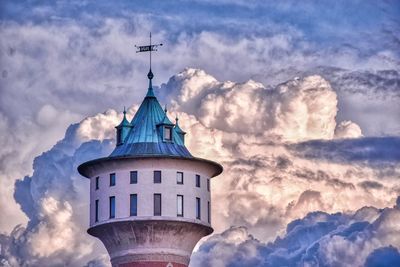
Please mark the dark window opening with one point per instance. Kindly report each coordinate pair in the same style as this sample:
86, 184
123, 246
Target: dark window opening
112, 207
133, 205
157, 177
179, 177
197, 180
112, 179
96, 211
209, 212
198, 207
134, 176
157, 204
97, 182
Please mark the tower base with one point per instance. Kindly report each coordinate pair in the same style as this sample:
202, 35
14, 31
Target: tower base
150, 243
150, 260
152, 264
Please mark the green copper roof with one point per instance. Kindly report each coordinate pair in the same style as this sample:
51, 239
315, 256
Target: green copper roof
145, 136
177, 128
124, 122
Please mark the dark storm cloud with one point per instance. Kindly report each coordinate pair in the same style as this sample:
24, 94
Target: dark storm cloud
383, 257
310, 241
372, 150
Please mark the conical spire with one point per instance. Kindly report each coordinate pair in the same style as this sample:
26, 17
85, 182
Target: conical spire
177, 128
123, 129
165, 120
124, 121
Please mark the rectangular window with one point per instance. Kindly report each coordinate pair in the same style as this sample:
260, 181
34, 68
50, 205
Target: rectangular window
96, 211
133, 177
179, 205
133, 209
157, 177
112, 179
198, 213
157, 204
97, 182
208, 212
179, 177
208, 185
167, 133
197, 180
112, 207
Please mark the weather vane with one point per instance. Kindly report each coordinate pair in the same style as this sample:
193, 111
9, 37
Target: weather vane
148, 48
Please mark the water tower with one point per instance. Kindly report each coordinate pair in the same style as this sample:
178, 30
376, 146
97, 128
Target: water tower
150, 199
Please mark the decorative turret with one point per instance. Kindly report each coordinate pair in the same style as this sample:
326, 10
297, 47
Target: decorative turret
179, 131
150, 200
123, 130
165, 128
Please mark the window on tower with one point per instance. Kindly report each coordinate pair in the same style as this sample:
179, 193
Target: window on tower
157, 204
133, 176
179, 205
157, 177
96, 211
179, 177
112, 207
208, 185
112, 179
197, 180
167, 133
133, 205
97, 182
198, 212
208, 212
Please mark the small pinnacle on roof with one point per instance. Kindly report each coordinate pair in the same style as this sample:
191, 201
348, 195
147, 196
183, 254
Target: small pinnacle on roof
165, 108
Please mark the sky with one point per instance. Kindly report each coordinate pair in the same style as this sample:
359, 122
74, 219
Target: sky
299, 101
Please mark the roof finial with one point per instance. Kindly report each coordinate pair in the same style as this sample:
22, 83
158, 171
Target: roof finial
165, 109
124, 111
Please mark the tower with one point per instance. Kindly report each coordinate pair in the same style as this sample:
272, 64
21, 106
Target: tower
150, 199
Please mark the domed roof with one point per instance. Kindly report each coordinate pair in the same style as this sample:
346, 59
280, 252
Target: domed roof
146, 135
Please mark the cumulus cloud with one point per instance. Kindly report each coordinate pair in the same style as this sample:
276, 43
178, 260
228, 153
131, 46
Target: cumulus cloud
299, 109
367, 237
263, 172
52, 199
281, 180
347, 129
60, 65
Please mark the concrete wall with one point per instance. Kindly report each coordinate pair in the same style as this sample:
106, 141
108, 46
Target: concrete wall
145, 188
144, 241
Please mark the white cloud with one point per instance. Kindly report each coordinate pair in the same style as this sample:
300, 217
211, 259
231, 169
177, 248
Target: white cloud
58, 73
315, 240
347, 129
299, 109
262, 173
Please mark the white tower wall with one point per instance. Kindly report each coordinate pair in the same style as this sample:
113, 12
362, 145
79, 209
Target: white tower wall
145, 188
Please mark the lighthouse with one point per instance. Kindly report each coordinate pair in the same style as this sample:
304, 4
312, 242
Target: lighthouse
150, 200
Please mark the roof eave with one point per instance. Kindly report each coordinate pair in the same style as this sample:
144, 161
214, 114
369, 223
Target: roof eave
83, 168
